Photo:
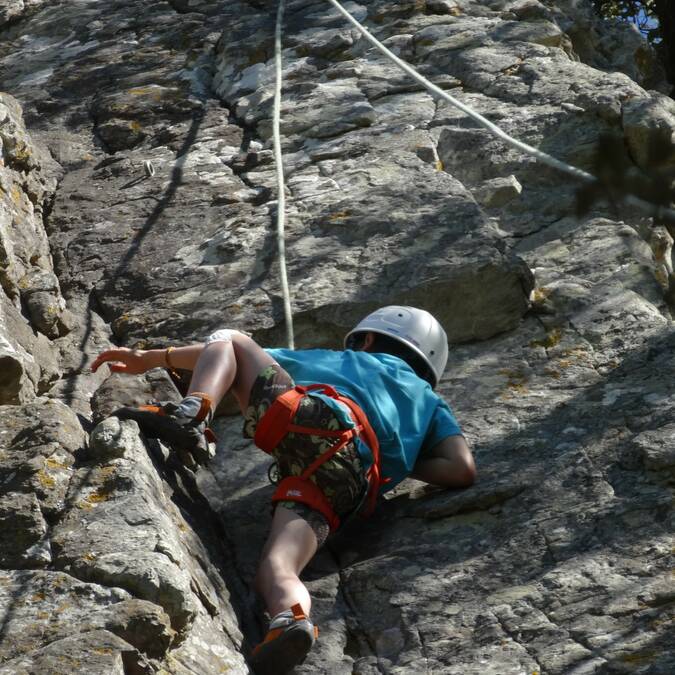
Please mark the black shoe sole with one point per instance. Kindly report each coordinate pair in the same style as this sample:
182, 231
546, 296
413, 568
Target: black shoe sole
284, 653
176, 436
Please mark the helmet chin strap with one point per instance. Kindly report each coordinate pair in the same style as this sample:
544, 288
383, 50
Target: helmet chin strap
368, 342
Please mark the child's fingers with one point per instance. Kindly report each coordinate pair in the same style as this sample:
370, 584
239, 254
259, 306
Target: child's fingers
108, 355
96, 363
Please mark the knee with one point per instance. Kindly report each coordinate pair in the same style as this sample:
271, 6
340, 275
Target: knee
222, 336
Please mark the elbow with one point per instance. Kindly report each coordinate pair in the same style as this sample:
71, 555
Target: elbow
465, 465
467, 475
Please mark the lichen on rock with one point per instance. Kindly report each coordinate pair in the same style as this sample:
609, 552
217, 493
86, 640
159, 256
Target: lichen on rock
137, 207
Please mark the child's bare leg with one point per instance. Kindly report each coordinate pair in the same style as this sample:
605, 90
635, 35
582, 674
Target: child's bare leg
225, 365
214, 371
448, 464
289, 547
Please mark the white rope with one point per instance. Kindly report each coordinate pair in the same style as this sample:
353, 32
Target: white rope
654, 210
281, 187
544, 158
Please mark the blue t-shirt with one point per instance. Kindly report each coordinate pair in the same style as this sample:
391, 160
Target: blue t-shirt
403, 410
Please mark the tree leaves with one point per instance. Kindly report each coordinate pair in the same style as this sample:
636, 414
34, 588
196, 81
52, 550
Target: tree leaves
643, 13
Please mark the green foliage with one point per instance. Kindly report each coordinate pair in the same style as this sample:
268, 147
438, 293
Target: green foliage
643, 13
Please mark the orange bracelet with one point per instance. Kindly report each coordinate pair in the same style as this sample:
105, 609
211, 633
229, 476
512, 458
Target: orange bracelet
168, 351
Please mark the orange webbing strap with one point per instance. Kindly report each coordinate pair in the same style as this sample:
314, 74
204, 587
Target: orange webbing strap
302, 490
274, 423
368, 435
274, 633
277, 422
204, 408
346, 435
299, 615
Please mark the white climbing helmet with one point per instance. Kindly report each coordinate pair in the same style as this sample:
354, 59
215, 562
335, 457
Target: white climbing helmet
415, 328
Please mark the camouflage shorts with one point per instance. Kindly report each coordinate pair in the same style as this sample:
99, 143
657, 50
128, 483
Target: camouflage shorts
341, 478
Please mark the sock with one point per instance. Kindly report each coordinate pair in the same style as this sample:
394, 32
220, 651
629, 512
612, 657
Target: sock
189, 408
282, 619
286, 618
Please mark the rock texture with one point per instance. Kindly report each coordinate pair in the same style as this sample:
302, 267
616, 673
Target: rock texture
136, 207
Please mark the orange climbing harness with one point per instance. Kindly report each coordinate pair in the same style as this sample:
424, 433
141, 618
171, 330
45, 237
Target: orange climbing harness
278, 421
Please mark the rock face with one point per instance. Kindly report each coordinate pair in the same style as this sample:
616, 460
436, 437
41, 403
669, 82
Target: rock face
27, 359
137, 206
13, 9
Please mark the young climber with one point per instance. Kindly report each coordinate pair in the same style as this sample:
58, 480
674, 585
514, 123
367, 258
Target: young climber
337, 447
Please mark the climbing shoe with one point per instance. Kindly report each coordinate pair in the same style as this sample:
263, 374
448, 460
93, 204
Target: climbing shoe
183, 426
290, 637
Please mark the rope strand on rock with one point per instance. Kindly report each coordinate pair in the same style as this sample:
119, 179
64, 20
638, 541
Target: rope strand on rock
281, 186
654, 210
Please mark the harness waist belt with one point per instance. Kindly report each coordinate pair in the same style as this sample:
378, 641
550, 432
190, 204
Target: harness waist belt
278, 421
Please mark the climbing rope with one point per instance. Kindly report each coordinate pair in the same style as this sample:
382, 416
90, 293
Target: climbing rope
654, 210
281, 186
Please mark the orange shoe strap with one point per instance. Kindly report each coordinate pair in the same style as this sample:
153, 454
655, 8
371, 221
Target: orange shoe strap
153, 409
205, 407
274, 633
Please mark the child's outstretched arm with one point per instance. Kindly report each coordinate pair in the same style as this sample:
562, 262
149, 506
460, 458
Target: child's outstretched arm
448, 464
136, 361
227, 360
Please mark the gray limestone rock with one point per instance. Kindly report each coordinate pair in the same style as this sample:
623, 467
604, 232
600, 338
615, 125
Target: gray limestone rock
28, 360
603, 44
87, 337
11, 10
46, 606
119, 390
42, 295
38, 445
122, 530
112, 437
498, 192
97, 652
125, 118
111, 497
140, 623
23, 532
648, 125
27, 178
558, 559
657, 449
